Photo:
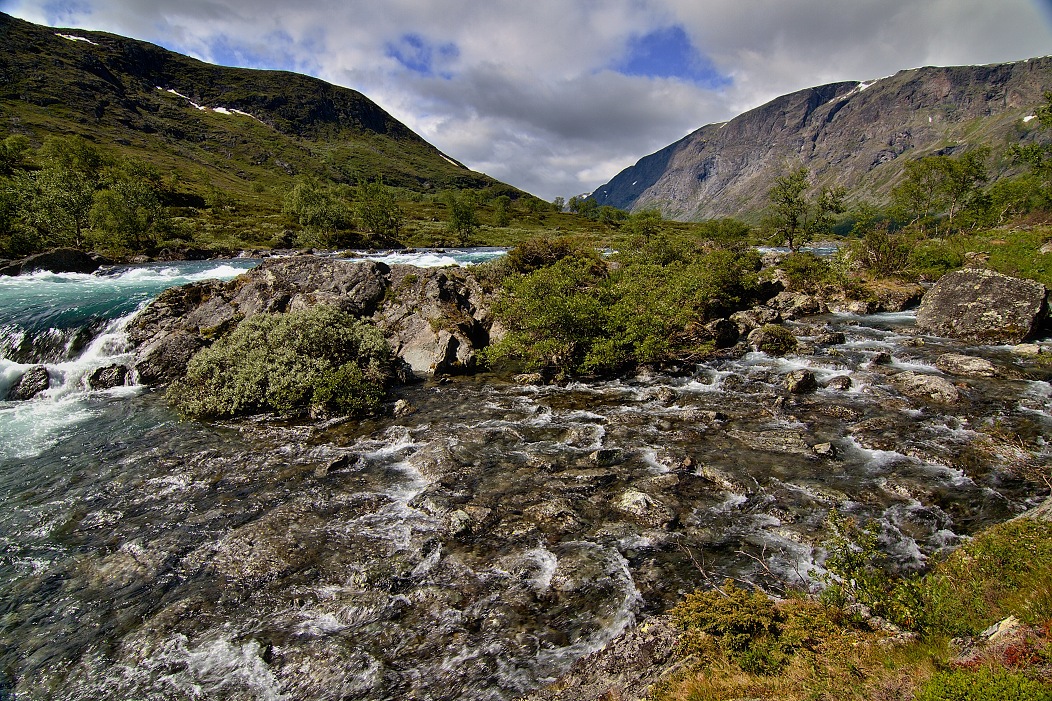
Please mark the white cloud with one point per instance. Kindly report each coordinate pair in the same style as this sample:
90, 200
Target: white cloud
523, 91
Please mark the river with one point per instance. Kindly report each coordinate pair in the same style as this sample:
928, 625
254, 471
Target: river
470, 550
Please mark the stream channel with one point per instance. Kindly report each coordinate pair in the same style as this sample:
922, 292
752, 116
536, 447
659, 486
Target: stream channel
472, 549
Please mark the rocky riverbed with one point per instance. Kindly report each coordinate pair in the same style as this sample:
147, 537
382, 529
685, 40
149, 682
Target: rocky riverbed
489, 533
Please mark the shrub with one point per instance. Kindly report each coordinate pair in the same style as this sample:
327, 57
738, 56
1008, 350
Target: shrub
882, 251
542, 252
806, 272
775, 340
745, 627
932, 258
318, 359
983, 685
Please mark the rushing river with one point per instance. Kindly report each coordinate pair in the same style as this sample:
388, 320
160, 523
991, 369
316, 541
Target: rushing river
469, 550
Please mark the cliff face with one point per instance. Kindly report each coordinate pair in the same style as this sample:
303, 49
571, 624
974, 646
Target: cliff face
858, 135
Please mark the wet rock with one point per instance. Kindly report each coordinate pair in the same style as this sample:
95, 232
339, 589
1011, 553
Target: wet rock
839, 411
339, 464
1027, 350
607, 457
722, 479
469, 520
830, 338
880, 358
966, 365
773, 440
825, 450
982, 306
108, 377
840, 382
643, 508
403, 408
60, 260
801, 382
930, 387
33, 381
665, 395
555, 516
529, 378
623, 669
586, 481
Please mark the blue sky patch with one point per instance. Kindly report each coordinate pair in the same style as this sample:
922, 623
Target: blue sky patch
669, 53
419, 55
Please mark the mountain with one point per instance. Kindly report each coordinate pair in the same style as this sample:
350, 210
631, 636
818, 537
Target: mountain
858, 135
235, 129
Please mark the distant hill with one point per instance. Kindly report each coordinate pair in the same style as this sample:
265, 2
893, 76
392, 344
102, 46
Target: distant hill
858, 135
229, 128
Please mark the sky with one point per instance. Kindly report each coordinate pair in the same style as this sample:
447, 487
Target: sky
558, 96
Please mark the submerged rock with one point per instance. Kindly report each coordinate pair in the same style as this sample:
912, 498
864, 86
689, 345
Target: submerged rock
643, 508
982, 306
33, 381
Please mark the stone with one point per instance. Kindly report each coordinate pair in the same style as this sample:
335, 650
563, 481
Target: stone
643, 508
825, 450
787, 441
965, 365
881, 358
403, 408
929, 387
108, 377
1027, 350
793, 305
529, 378
165, 359
831, 338
606, 457
60, 260
981, 306
840, 382
801, 382
754, 318
32, 382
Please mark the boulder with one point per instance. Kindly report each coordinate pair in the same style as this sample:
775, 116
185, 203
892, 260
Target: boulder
60, 260
793, 305
840, 382
754, 318
929, 387
643, 509
33, 381
723, 332
108, 377
165, 359
965, 365
981, 306
801, 382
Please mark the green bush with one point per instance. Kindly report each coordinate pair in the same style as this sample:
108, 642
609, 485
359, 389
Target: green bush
983, 685
537, 253
882, 251
746, 627
575, 315
806, 272
932, 258
319, 359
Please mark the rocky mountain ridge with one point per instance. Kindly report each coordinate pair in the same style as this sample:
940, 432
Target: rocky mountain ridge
854, 134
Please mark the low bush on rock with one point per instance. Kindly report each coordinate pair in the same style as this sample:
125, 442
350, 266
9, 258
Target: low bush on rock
320, 359
578, 314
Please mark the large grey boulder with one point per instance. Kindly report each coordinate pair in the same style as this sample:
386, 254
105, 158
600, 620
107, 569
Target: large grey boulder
436, 320
930, 387
982, 306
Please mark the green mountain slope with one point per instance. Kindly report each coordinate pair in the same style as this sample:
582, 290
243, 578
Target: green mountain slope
239, 130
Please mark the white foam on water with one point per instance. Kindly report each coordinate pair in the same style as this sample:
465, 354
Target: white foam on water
545, 562
650, 457
875, 459
732, 502
224, 668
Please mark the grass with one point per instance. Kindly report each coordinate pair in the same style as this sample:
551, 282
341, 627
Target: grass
815, 651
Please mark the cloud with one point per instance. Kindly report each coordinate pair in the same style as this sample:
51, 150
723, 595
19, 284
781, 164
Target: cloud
556, 96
